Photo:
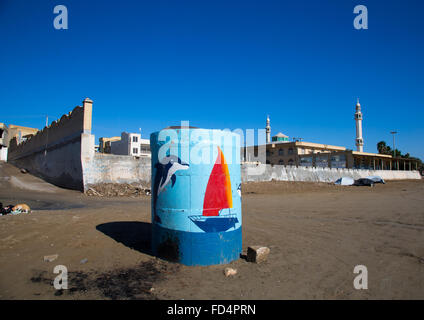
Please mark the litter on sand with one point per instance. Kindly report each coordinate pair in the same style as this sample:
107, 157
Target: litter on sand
368, 181
345, 181
376, 179
364, 182
17, 209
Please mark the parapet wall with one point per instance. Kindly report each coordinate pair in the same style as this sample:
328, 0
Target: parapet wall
54, 153
266, 172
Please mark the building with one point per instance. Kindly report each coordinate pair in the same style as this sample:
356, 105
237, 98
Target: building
104, 144
4, 142
20, 133
291, 153
7, 133
280, 151
280, 137
131, 144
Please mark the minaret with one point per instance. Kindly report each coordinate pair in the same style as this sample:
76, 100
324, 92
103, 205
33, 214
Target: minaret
268, 130
358, 120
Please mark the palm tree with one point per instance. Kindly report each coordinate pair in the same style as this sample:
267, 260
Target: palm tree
383, 148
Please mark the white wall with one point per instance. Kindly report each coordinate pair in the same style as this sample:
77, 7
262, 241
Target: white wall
126, 145
133, 144
3, 154
266, 172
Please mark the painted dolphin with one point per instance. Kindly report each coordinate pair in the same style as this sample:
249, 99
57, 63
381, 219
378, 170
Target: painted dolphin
165, 173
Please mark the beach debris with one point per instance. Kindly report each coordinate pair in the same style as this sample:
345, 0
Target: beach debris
51, 258
14, 209
364, 182
345, 181
5, 210
257, 254
230, 272
21, 208
376, 179
83, 261
117, 190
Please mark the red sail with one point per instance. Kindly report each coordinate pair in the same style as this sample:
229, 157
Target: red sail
218, 191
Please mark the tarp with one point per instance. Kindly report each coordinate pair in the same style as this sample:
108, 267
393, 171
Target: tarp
376, 179
364, 182
345, 181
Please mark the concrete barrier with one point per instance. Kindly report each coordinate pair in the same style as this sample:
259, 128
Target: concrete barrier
266, 172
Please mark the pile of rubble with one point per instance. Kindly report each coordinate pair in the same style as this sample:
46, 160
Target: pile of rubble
117, 190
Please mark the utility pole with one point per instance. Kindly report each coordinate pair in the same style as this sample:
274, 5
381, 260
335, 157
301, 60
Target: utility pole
394, 148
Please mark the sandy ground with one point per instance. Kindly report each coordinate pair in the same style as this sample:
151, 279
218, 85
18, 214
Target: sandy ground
317, 234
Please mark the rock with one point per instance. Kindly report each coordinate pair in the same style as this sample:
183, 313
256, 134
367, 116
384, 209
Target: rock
257, 254
230, 272
51, 258
84, 261
24, 170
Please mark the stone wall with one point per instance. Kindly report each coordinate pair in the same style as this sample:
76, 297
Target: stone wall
110, 168
54, 153
262, 172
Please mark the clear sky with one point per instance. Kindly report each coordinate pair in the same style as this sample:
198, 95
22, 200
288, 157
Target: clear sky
219, 64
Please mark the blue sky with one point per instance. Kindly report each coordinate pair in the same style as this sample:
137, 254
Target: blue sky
219, 64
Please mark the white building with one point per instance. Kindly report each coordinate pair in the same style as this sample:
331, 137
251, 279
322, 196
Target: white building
4, 142
131, 144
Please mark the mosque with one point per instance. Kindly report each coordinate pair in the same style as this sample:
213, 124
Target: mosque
281, 151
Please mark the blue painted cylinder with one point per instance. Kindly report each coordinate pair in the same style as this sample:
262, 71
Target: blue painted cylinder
196, 196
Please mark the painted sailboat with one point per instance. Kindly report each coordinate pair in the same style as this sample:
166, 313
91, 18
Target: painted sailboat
218, 196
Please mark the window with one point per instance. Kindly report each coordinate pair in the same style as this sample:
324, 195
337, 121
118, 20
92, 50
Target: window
291, 162
281, 152
135, 150
281, 162
135, 139
290, 151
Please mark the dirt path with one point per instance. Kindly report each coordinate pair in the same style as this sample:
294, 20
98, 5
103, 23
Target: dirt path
317, 234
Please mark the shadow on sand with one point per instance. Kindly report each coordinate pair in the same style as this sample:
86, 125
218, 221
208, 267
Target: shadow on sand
133, 234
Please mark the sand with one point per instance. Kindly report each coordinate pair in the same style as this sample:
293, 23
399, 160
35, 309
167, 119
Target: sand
317, 234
